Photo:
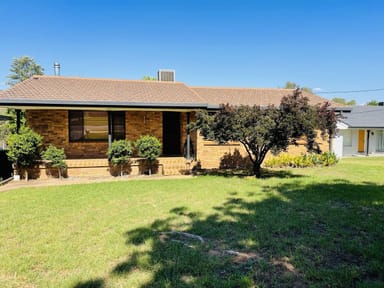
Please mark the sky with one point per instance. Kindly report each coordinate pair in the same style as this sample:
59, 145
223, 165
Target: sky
327, 45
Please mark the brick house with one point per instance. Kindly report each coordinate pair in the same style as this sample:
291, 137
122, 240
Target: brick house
84, 116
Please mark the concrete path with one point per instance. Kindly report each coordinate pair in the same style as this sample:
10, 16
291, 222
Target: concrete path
11, 185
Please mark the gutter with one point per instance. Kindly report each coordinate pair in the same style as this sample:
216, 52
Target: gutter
95, 104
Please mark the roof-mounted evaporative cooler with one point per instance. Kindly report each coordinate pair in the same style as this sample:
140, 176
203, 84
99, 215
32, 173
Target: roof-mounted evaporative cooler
166, 75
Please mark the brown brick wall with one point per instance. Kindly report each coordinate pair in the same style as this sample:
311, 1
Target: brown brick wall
210, 154
53, 126
138, 123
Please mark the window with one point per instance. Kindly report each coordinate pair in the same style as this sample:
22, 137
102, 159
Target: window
347, 138
96, 125
117, 125
379, 141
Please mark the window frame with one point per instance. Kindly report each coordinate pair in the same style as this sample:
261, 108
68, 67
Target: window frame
110, 115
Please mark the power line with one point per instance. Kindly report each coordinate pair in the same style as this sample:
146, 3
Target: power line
350, 91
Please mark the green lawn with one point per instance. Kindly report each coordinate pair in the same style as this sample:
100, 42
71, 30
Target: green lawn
318, 227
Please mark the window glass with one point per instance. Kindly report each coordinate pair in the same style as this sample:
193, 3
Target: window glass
347, 137
95, 125
379, 141
118, 125
88, 125
75, 125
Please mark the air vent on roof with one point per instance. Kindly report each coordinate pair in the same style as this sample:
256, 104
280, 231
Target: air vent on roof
166, 75
56, 68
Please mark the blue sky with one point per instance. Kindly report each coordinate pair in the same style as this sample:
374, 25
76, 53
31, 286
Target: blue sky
332, 45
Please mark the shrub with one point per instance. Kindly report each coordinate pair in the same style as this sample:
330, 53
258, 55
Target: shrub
148, 147
302, 161
120, 153
56, 156
24, 148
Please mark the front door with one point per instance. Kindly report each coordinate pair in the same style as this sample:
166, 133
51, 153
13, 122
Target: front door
171, 134
361, 143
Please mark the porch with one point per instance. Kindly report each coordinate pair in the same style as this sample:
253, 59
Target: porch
100, 168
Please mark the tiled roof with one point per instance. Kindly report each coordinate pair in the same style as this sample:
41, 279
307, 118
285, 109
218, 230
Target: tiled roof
362, 116
69, 90
58, 90
250, 96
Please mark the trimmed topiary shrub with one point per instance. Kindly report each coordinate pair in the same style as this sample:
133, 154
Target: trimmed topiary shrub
119, 153
24, 149
149, 148
56, 157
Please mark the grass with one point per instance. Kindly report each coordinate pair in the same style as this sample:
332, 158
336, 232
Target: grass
318, 227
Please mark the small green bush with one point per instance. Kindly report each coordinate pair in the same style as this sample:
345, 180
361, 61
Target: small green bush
148, 147
24, 148
120, 153
302, 161
56, 157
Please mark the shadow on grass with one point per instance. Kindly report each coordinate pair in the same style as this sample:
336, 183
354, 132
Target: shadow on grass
241, 173
95, 283
316, 235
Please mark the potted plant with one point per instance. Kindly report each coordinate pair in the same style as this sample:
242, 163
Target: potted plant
119, 154
24, 149
149, 148
56, 157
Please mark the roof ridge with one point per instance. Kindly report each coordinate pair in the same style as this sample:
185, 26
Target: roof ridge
104, 79
241, 88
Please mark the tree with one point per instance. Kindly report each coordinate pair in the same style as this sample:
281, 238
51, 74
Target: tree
56, 157
23, 68
24, 149
263, 129
293, 85
344, 101
119, 153
148, 147
373, 103
149, 78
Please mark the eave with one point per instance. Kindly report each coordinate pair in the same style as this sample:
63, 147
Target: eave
99, 105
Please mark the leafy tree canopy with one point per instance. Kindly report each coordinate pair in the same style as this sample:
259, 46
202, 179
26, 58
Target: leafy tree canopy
373, 103
293, 85
149, 78
263, 129
23, 68
343, 101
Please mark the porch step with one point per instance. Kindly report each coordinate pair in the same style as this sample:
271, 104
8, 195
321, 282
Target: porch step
174, 165
100, 167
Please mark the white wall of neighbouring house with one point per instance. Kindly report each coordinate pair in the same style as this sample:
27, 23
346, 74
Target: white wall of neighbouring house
337, 146
347, 140
350, 141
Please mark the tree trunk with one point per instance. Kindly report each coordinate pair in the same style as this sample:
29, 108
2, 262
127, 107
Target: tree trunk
257, 169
